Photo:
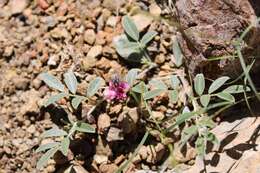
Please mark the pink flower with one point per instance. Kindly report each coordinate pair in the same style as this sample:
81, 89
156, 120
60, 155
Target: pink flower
116, 90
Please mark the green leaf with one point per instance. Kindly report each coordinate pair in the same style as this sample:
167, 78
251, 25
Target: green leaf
200, 146
131, 76
54, 98
173, 95
53, 132
52, 81
45, 157
217, 105
178, 57
204, 100
188, 132
217, 84
46, 146
226, 96
94, 86
130, 28
158, 84
206, 122
212, 138
76, 101
175, 82
65, 143
71, 81
182, 118
148, 37
152, 93
84, 127
140, 88
199, 84
124, 47
234, 89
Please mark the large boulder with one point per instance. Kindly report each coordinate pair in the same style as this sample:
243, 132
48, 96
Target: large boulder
209, 28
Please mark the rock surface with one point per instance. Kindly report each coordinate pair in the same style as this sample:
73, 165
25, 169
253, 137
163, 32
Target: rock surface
210, 28
238, 150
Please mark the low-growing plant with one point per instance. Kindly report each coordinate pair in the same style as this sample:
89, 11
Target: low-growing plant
130, 45
65, 91
196, 112
202, 103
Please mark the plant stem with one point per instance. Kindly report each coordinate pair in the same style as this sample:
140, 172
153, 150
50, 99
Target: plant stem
125, 165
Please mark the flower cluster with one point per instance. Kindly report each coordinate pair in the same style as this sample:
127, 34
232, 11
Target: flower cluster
116, 90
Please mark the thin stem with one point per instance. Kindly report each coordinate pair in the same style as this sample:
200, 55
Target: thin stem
151, 115
243, 64
230, 105
125, 165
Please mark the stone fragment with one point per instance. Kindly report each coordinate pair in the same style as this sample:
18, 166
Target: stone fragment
158, 115
60, 33
142, 21
94, 52
100, 158
79, 169
155, 10
43, 4
49, 21
112, 21
108, 168
90, 36
21, 82
184, 157
17, 6
235, 153
114, 134
53, 60
128, 120
62, 10
113, 4
8, 51
103, 122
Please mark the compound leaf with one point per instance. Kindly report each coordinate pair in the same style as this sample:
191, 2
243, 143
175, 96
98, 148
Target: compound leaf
65, 143
46, 146
226, 96
132, 76
130, 28
76, 101
234, 89
175, 82
53, 132
217, 84
199, 84
204, 100
54, 98
173, 95
52, 81
71, 81
84, 127
178, 56
94, 86
152, 93
45, 157
148, 37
